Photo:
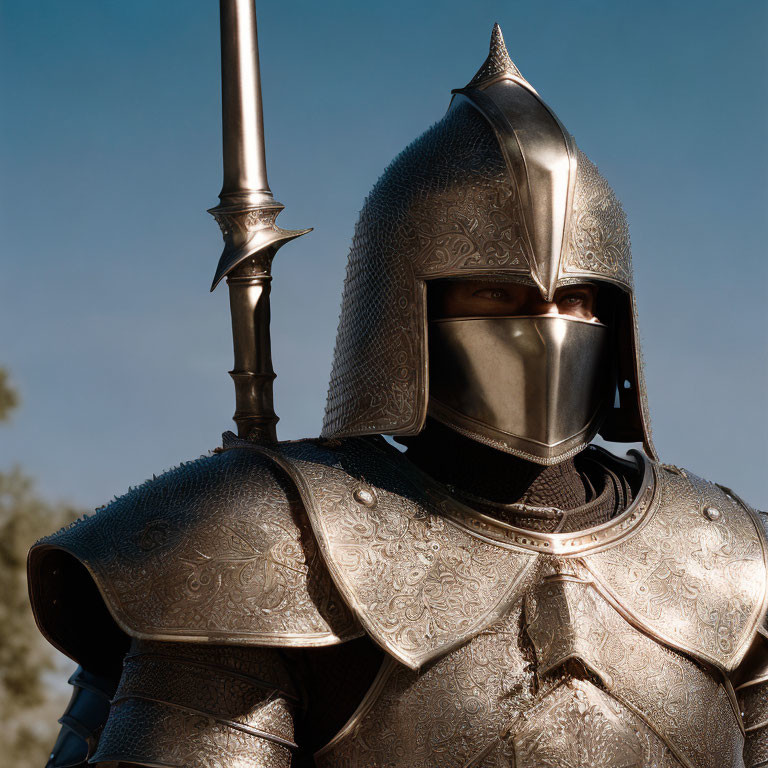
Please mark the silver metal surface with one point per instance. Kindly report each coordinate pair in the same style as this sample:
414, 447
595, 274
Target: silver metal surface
542, 159
365, 497
611, 646
496, 190
535, 387
211, 552
200, 707
659, 603
712, 513
246, 215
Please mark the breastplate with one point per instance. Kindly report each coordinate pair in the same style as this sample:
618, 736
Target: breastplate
562, 681
603, 648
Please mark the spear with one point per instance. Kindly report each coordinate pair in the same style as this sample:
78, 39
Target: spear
246, 215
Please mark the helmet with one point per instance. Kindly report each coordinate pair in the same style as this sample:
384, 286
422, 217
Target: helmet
496, 190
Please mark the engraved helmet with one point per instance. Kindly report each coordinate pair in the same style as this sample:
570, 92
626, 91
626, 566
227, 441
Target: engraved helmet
496, 190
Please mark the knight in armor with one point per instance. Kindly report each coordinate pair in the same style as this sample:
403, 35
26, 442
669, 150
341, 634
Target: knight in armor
494, 592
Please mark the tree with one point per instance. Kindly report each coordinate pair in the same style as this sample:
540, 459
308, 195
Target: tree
29, 705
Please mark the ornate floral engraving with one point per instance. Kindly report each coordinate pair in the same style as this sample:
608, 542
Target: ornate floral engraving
698, 584
679, 712
448, 207
444, 207
503, 700
417, 583
215, 550
580, 726
598, 241
686, 706
445, 713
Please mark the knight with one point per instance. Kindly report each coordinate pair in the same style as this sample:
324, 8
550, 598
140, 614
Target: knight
488, 590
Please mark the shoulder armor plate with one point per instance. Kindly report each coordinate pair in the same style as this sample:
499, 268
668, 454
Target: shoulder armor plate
418, 584
694, 575
217, 550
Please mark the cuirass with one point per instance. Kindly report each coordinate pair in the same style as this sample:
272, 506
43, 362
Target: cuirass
561, 681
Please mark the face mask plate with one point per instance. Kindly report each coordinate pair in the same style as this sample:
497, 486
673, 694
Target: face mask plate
535, 387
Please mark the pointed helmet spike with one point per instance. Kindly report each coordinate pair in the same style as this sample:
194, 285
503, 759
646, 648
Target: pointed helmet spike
498, 64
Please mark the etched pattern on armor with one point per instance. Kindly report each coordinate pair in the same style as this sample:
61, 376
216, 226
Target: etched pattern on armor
445, 206
753, 699
756, 748
598, 233
754, 705
448, 207
417, 583
151, 733
695, 579
687, 707
201, 707
420, 584
444, 714
512, 697
486, 704
580, 726
218, 549
498, 62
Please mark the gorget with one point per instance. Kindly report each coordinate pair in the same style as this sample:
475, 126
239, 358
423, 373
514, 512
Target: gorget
556, 518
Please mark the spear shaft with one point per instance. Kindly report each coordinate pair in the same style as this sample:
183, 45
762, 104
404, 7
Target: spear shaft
246, 215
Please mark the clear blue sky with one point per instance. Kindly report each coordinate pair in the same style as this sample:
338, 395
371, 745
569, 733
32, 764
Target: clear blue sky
110, 155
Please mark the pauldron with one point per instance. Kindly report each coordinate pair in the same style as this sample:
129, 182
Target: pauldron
215, 551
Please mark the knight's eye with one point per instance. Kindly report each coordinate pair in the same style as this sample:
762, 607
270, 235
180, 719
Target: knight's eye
572, 299
495, 294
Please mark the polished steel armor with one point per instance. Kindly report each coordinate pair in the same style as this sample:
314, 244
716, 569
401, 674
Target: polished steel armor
206, 604
622, 639
537, 387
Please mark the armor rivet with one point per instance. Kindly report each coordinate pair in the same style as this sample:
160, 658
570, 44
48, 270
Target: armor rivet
712, 513
365, 496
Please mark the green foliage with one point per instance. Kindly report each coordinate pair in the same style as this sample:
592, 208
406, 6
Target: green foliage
28, 704
8, 397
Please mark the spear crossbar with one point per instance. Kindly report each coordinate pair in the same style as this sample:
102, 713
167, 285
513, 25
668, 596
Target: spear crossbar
246, 215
